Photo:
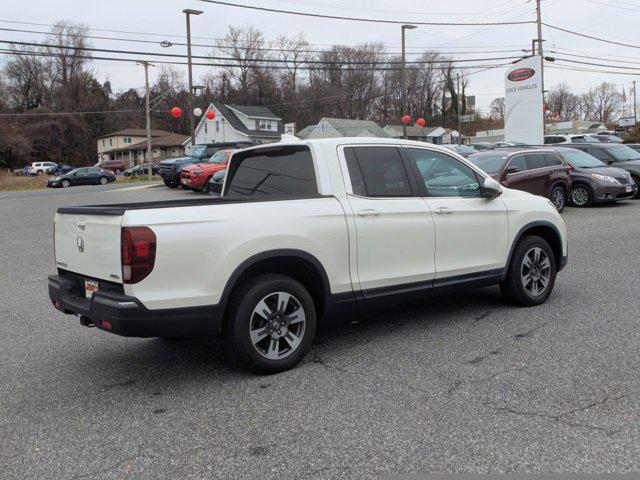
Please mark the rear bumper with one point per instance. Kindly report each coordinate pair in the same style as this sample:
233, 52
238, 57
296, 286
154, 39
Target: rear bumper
127, 316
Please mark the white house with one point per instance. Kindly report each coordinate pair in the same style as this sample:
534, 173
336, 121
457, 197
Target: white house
342, 127
239, 123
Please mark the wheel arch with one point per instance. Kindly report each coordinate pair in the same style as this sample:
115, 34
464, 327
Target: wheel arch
543, 229
297, 264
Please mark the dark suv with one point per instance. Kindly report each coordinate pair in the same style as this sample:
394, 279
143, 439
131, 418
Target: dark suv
171, 167
538, 171
594, 181
615, 155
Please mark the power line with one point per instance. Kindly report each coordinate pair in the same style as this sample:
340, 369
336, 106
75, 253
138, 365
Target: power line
593, 64
262, 60
38, 114
200, 64
360, 19
269, 49
592, 37
165, 35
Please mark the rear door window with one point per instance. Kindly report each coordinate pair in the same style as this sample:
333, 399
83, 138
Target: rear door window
535, 160
272, 172
552, 160
377, 172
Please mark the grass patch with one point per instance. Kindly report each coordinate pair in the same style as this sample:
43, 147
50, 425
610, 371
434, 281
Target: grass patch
10, 182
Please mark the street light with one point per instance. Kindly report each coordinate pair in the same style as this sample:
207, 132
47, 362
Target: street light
188, 12
403, 81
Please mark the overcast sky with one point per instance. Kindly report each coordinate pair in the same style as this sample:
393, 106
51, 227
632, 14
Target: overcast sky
612, 19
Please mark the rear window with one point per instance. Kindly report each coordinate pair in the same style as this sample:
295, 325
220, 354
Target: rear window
272, 171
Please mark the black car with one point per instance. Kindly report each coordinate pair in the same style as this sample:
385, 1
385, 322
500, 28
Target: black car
216, 182
613, 154
171, 167
59, 169
83, 176
595, 182
135, 170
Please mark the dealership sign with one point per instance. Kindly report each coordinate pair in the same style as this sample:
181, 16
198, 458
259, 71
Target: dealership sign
524, 109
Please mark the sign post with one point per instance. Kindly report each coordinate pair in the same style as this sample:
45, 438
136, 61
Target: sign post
523, 120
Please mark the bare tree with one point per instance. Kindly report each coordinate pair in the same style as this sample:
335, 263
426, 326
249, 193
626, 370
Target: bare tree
606, 102
562, 101
498, 108
294, 52
25, 82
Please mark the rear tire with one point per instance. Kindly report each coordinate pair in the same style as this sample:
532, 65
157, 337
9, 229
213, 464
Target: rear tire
104, 180
558, 197
531, 274
637, 181
118, 171
271, 323
581, 196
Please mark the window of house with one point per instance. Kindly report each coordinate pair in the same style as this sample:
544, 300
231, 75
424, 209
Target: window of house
110, 142
217, 126
377, 172
206, 129
103, 144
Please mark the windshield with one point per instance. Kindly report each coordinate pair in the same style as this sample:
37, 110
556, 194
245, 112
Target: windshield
197, 151
491, 164
578, 158
622, 153
220, 157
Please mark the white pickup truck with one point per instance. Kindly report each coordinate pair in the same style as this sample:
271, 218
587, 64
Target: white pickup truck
304, 230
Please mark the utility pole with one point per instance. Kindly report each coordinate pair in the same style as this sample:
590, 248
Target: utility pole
635, 105
146, 64
459, 108
188, 12
403, 80
541, 54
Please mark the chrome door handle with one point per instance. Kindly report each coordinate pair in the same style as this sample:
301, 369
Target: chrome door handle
443, 211
368, 213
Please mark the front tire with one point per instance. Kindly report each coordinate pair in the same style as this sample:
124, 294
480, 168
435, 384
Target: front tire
271, 323
65, 183
558, 197
581, 196
531, 274
637, 181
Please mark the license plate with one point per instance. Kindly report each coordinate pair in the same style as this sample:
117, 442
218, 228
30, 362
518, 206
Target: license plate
629, 188
89, 287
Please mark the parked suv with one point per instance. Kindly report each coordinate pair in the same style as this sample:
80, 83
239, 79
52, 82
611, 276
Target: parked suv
559, 139
196, 177
171, 168
615, 155
595, 182
116, 166
541, 172
40, 168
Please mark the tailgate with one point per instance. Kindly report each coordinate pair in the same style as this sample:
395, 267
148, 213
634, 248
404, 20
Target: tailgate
89, 245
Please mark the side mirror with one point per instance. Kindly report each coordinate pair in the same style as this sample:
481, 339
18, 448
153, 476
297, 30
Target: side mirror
511, 169
491, 188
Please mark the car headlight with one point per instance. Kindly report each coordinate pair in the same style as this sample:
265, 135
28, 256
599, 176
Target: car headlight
605, 178
197, 172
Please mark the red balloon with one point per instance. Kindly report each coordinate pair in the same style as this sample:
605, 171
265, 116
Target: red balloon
210, 114
406, 119
421, 122
176, 112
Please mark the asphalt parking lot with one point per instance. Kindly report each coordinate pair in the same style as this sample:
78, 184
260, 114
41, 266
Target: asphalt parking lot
459, 383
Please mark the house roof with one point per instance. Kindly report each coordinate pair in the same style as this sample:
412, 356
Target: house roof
237, 124
414, 131
170, 140
135, 132
304, 133
255, 111
352, 128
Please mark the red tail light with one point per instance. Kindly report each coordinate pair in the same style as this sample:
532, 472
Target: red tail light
138, 253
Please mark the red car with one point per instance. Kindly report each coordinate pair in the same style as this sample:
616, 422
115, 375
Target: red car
116, 166
196, 177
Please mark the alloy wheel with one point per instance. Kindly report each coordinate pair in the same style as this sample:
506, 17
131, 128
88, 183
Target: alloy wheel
65, 183
535, 272
277, 325
558, 198
103, 181
579, 196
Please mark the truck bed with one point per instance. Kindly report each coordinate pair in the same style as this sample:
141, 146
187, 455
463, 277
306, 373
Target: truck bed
118, 209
